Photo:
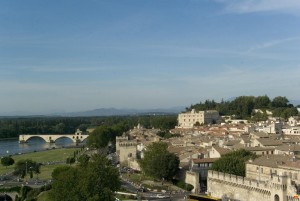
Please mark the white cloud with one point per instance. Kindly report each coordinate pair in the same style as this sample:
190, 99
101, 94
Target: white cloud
250, 6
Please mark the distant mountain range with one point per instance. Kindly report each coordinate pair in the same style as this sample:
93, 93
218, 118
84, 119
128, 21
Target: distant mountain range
100, 112
115, 112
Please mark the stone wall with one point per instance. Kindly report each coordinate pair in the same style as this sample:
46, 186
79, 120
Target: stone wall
193, 179
222, 185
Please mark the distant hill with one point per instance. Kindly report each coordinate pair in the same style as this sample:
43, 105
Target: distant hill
115, 112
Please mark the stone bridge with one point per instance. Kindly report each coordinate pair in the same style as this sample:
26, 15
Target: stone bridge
77, 137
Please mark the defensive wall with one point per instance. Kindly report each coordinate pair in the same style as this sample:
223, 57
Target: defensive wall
193, 179
232, 187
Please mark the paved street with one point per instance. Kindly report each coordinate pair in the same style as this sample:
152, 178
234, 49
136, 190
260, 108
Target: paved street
154, 195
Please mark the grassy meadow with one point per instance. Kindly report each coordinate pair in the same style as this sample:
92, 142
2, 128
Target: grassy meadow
49, 156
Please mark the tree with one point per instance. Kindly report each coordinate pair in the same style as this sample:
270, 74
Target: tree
66, 184
233, 162
262, 102
83, 160
70, 160
7, 161
197, 124
280, 101
158, 162
100, 137
97, 181
24, 167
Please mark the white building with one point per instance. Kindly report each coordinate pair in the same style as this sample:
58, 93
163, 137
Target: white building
189, 119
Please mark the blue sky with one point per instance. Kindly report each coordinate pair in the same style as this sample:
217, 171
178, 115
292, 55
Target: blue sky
74, 55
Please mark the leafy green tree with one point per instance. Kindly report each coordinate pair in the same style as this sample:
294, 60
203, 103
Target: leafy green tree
285, 112
197, 124
70, 160
7, 161
233, 162
97, 181
261, 102
83, 160
23, 167
100, 137
158, 162
66, 185
59, 128
280, 101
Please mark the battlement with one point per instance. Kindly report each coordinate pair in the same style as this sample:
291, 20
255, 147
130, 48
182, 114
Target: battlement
121, 138
236, 187
128, 144
279, 181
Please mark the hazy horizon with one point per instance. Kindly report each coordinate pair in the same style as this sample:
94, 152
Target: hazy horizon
82, 55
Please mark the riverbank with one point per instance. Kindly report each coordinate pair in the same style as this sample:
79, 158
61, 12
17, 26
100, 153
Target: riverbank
11, 138
13, 147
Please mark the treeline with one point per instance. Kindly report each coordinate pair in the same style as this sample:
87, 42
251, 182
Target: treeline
243, 107
13, 127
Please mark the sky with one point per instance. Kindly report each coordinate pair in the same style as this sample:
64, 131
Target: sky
77, 55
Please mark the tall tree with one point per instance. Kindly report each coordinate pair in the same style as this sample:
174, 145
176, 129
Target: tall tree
158, 162
23, 167
261, 102
280, 101
100, 137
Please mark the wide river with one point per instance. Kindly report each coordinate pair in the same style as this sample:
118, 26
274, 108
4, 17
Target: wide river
12, 146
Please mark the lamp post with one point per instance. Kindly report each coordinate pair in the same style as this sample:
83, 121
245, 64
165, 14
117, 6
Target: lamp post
26, 171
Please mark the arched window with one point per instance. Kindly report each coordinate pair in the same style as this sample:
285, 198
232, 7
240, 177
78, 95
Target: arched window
276, 198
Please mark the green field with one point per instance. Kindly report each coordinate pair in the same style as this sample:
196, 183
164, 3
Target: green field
49, 156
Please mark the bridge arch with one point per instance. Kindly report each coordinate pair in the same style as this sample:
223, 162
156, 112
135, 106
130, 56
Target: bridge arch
5, 197
63, 136
35, 136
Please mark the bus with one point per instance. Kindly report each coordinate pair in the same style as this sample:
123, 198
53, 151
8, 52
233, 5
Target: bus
194, 197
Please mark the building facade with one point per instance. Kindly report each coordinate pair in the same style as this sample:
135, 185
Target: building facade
189, 119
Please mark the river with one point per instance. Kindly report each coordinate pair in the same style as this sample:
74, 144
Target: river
13, 147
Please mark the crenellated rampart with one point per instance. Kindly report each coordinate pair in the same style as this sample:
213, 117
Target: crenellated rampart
223, 185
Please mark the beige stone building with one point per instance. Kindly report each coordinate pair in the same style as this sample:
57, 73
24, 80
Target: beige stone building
126, 149
189, 119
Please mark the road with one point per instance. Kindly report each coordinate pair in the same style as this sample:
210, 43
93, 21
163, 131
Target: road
154, 195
